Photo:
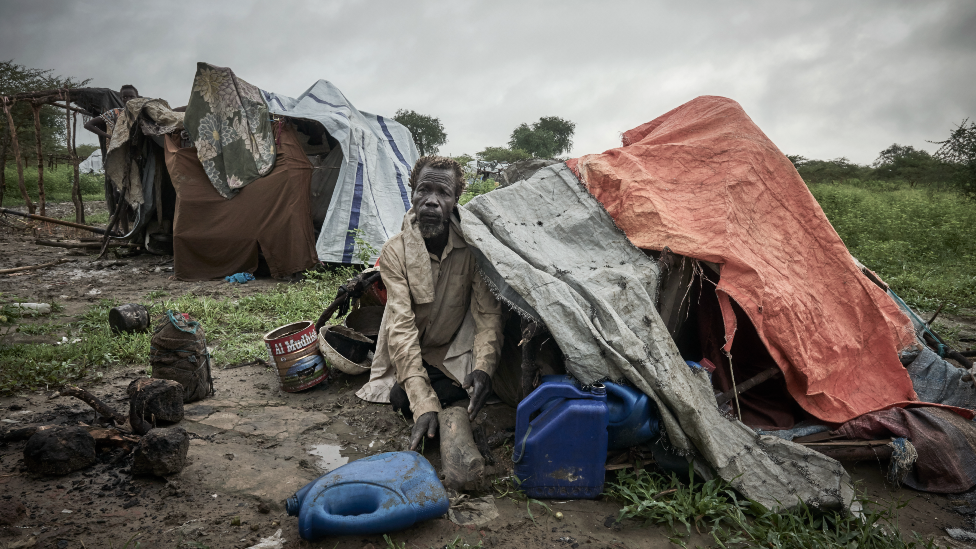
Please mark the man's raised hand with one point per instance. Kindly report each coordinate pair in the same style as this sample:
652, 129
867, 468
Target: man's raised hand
425, 424
481, 382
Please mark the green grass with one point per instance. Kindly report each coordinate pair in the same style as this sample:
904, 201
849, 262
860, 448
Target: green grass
57, 185
714, 509
921, 242
234, 329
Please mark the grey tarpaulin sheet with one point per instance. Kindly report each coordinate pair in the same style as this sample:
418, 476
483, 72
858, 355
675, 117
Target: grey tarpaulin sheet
373, 189
551, 243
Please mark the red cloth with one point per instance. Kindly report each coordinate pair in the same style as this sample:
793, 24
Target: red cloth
706, 182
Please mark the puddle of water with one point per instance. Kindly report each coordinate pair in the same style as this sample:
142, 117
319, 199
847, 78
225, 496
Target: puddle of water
329, 456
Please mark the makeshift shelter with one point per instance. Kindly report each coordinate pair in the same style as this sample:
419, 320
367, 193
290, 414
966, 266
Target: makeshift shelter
215, 237
752, 278
371, 190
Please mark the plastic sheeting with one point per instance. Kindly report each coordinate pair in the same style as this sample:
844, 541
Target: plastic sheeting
373, 191
704, 181
92, 164
935, 380
548, 248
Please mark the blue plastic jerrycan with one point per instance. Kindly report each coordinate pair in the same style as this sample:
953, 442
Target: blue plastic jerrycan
373, 495
633, 417
562, 452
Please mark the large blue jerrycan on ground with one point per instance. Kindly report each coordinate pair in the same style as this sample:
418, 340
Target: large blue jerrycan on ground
561, 453
373, 495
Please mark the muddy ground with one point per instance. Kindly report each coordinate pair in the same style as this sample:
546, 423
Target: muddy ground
253, 445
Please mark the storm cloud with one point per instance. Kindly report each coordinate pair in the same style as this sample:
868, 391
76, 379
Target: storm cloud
823, 79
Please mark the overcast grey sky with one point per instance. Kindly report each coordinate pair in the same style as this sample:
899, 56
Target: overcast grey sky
823, 79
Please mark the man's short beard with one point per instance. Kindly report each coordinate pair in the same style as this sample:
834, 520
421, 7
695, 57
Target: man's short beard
432, 230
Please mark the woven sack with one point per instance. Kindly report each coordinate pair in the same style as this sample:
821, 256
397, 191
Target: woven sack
178, 351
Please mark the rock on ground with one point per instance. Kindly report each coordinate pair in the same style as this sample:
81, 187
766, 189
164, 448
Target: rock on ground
59, 451
161, 452
156, 399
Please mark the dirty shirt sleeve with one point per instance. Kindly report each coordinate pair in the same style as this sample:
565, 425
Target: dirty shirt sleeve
487, 313
403, 338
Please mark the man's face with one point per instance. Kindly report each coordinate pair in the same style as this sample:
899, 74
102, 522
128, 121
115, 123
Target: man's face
128, 94
434, 200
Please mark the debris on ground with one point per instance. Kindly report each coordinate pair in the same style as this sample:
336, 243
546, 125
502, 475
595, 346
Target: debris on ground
59, 451
161, 452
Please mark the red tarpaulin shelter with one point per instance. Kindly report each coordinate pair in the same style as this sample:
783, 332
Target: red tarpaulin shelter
704, 181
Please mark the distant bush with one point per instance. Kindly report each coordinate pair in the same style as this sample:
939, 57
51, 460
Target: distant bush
476, 188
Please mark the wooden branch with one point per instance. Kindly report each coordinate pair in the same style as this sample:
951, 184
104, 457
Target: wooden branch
41, 198
846, 443
39, 95
52, 220
84, 245
93, 401
42, 266
111, 225
76, 184
747, 384
70, 108
20, 161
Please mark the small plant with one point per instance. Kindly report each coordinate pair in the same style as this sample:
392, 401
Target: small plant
460, 543
392, 544
365, 252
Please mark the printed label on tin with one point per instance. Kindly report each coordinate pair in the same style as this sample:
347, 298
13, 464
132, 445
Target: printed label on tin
292, 345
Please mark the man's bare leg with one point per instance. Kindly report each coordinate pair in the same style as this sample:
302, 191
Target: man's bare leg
461, 463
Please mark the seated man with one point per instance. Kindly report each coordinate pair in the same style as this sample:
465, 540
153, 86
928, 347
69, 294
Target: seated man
432, 286
104, 125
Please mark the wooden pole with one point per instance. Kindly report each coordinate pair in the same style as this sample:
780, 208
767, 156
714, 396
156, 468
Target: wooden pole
20, 161
52, 220
76, 185
41, 199
3, 172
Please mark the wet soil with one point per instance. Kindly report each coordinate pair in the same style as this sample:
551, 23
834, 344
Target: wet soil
253, 445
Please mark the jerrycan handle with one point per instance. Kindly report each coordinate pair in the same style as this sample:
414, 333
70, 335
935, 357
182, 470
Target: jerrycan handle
538, 398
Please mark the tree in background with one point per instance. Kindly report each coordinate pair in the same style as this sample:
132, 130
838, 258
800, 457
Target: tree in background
502, 154
427, 131
907, 163
838, 169
547, 138
16, 78
959, 152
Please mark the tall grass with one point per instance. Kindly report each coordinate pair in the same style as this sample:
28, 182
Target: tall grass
234, 328
57, 184
921, 242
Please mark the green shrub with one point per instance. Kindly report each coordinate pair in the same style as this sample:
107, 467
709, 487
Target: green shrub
920, 241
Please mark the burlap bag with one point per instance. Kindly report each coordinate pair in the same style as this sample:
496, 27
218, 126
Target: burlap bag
178, 351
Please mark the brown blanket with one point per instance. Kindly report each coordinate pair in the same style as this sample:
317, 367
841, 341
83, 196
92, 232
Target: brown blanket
945, 441
215, 237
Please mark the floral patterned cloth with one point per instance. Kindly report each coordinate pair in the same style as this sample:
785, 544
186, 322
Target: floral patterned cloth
228, 121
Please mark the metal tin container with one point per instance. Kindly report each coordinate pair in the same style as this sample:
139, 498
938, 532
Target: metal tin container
293, 350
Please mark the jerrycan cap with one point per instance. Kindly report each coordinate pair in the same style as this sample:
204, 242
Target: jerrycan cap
292, 506
598, 389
